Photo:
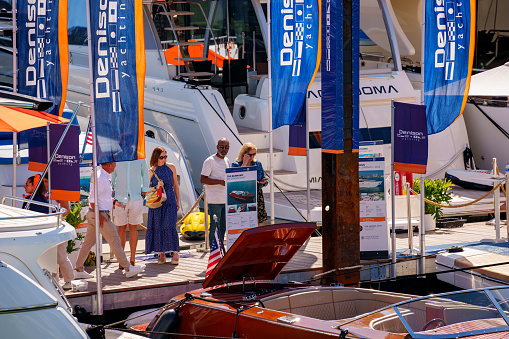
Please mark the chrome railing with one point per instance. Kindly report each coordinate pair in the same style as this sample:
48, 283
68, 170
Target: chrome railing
58, 214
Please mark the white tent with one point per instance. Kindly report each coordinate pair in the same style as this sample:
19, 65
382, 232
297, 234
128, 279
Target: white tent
491, 83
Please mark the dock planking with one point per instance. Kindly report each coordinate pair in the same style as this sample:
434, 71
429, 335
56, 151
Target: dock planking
159, 283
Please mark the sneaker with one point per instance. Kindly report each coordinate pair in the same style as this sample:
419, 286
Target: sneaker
134, 270
82, 275
67, 286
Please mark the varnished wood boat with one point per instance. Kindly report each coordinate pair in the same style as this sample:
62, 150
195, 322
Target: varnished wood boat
233, 302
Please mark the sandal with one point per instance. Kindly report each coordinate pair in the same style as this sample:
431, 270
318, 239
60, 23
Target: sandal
162, 259
175, 261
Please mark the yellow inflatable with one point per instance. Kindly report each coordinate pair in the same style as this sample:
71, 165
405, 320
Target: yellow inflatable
193, 227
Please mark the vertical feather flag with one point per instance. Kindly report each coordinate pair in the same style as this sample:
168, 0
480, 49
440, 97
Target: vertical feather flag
118, 77
43, 53
295, 48
449, 45
215, 254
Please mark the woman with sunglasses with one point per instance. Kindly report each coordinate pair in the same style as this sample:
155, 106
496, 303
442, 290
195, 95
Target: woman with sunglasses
247, 158
162, 236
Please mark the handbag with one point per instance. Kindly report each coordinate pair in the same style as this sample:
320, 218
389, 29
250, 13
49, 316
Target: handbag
156, 197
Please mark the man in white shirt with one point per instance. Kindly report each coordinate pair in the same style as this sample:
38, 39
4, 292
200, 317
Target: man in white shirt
213, 176
107, 228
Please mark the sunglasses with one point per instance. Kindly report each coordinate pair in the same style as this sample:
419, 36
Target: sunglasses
251, 154
161, 157
223, 147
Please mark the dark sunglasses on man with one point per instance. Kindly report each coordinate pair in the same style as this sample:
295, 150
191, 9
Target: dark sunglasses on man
224, 147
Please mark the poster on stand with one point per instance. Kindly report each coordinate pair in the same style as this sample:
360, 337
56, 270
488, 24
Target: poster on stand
241, 208
374, 234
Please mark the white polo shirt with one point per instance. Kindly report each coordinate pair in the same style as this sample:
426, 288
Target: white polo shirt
215, 168
105, 191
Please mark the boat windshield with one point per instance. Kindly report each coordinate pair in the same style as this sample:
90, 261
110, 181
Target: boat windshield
449, 315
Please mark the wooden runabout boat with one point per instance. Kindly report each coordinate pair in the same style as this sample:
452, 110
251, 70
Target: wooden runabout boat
233, 304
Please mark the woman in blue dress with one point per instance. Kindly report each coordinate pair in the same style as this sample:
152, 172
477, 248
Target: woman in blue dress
162, 236
247, 158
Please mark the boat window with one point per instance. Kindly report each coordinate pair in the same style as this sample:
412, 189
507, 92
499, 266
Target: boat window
77, 22
234, 25
375, 47
5, 44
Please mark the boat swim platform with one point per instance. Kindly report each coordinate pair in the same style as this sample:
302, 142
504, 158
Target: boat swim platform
284, 210
159, 283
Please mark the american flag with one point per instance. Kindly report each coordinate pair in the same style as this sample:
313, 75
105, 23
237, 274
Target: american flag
90, 139
215, 254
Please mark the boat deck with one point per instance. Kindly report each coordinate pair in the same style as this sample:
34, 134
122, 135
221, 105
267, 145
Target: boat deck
299, 200
161, 282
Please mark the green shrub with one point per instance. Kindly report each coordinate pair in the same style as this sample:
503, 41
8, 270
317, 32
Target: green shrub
439, 191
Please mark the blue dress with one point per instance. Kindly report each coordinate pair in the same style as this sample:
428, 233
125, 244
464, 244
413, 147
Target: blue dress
162, 233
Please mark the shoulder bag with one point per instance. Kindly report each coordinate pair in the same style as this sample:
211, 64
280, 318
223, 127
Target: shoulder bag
156, 197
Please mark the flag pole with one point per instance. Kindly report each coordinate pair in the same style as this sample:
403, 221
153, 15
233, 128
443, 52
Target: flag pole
422, 242
308, 185
98, 305
271, 140
393, 198
14, 89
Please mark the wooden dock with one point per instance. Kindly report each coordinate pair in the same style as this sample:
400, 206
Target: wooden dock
159, 283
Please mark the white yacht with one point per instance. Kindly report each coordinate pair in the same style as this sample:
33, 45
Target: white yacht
201, 98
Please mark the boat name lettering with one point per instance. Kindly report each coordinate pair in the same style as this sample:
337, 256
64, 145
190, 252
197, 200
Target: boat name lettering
36, 12
448, 36
295, 21
315, 179
311, 93
373, 90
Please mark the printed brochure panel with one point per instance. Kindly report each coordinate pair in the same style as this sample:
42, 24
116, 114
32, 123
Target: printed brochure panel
374, 234
241, 208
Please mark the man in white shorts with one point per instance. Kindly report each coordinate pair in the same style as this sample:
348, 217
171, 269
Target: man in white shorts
130, 182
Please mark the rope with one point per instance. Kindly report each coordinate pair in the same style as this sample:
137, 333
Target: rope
190, 210
461, 205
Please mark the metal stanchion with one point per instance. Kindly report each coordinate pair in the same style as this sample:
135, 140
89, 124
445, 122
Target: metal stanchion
206, 211
496, 201
410, 250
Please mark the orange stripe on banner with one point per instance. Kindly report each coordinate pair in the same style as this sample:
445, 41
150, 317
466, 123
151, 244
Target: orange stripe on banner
297, 151
236, 231
63, 51
36, 166
65, 195
473, 32
411, 168
372, 219
140, 73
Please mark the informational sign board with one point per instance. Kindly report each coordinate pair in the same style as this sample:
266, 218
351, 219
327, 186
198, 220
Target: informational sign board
241, 208
374, 241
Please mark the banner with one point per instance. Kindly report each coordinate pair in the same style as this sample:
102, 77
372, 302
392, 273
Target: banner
295, 50
337, 69
43, 53
241, 207
410, 138
118, 76
64, 170
374, 234
449, 47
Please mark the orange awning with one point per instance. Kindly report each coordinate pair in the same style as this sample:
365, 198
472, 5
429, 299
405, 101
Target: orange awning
16, 119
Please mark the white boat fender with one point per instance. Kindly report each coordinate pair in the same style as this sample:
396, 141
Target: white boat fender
168, 322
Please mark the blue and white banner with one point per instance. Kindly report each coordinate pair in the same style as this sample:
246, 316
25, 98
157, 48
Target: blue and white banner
43, 53
449, 46
295, 50
333, 77
410, 138
118, 71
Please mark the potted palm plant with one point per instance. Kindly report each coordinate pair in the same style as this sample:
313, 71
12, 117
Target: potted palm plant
438, 191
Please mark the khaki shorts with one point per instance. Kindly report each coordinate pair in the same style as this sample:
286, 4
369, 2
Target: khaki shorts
134, 210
